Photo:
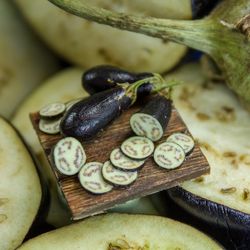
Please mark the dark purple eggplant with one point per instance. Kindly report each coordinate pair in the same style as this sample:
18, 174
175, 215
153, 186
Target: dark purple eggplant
87, 117
201, 8
151, 121
104, 77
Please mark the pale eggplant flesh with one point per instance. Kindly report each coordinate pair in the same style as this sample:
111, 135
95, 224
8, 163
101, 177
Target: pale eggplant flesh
219, 201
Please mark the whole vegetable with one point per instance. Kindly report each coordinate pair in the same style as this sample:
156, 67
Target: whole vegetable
224, 35
104, 77
89, 116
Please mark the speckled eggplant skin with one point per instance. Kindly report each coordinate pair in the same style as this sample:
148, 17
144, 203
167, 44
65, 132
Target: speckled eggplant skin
160, 108
104, 77
229, 226
201, 8
89, 116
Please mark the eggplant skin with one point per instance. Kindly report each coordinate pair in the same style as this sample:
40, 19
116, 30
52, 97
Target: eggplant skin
201, 8
232, 226
89, 116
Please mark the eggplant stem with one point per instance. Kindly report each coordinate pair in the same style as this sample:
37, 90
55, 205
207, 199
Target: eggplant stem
180, 31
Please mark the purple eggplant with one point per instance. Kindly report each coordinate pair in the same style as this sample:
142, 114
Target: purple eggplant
104, 77
88, 116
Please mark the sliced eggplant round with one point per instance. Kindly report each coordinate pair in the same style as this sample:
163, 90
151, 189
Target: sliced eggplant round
116, 176
20, 189
121, 161
152, 119
169, 155
185, 141
69, 156
221, 128
137, 147
52, 110
50, 126
91, 178
122, 231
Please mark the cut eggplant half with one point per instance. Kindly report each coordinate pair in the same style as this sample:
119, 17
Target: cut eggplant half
151, 120
123, 231
52, 110
50, 126
20, 189
69, 156
91, 178
169, 155
121, 161
185, 141
116, 176
220, 125
137, 147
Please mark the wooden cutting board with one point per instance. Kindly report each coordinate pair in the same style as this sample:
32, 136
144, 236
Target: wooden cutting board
151, 178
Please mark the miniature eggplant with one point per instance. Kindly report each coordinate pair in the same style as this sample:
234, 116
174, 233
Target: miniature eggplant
152, 120
104, 77
88, 116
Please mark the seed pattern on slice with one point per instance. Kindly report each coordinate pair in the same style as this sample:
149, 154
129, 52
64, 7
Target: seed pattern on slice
137, 147
121, 161
90, 177
146, 125
116, 176
50, 126
69, 156
169, 155
52, 109
185, 141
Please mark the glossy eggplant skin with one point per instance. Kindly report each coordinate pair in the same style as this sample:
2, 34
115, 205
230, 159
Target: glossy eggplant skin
89, 116
160, 108
104, 77
229, 226
201, 8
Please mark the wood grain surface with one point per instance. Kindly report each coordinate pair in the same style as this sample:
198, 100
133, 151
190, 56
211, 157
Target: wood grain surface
151, 178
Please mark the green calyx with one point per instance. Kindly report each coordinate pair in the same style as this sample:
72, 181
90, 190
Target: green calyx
224, 35
158, 84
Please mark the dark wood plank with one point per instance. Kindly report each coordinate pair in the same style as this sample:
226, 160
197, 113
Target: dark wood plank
151, 178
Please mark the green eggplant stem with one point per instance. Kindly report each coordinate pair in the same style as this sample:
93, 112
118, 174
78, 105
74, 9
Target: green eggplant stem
224, 35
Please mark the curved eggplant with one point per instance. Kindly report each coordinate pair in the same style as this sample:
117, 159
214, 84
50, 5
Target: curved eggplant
87, 117
104, 77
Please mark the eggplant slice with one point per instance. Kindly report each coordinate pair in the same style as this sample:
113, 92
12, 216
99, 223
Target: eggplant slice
221, 127
20, 190
122, 231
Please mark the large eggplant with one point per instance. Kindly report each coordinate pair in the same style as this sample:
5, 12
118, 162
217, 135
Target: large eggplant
123, 231
88, 44
20, 190
219, 201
